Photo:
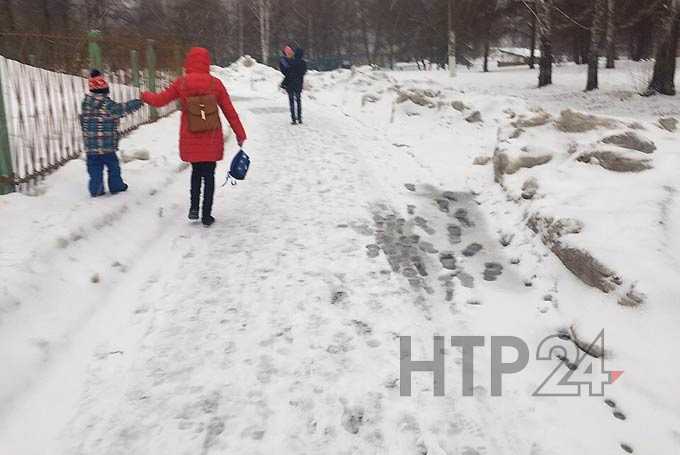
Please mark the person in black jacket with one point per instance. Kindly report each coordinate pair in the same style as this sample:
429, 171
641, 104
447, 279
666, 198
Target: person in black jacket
287, 55
294, 83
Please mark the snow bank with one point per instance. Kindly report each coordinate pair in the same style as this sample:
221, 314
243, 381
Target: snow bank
589, 179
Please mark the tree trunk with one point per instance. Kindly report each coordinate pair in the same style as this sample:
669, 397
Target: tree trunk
611, 34
596, 31
7, 41
544, 12
487, 46
264, 12
452, 40
663, 80
532, 57
241, 40
642, 38
364, 31
576, 50
311, 48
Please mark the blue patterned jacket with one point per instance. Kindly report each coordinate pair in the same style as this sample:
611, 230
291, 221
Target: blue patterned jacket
99, 122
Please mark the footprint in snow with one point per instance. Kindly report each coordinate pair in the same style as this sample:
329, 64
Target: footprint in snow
443, 205
353, 419
492, 271
462, 216
626, 448
455, 233
472, 249
372, 251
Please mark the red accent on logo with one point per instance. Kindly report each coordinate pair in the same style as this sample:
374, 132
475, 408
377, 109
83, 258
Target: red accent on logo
614, 375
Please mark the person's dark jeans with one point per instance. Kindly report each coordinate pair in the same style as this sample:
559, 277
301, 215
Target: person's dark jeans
95, 168
295, 101
200, 173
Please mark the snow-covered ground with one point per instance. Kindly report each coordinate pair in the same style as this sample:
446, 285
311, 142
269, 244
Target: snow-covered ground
126, 330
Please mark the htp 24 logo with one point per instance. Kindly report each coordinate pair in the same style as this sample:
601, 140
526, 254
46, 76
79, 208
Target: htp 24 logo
570, 379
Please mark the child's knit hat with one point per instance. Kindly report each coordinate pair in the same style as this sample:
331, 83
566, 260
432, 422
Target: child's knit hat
97, 83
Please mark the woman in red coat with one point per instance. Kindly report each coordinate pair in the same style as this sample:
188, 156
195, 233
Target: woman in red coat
203, 149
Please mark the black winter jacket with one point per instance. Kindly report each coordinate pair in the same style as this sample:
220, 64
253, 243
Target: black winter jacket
295, 73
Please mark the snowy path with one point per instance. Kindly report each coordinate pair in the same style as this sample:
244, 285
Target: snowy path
276, 331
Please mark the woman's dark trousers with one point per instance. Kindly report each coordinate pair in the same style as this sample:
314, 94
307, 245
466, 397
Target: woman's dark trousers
203, 173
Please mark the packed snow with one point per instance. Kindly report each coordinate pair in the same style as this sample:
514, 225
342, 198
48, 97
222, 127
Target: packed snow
408, 204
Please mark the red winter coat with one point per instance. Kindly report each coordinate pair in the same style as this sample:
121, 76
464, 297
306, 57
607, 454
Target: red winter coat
208, 145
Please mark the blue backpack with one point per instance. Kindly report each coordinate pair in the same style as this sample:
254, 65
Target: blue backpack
239, 167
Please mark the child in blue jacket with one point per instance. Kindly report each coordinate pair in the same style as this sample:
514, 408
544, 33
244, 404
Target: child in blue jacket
99, 121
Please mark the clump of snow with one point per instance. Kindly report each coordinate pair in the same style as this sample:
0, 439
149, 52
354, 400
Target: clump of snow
616, 161
475, 117
631, 140
507, 163
538, 119
135, 155
670, 124
576, 122
459, 105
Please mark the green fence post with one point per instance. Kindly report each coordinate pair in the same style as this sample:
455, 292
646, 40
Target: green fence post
134, 65
94, 50
6, 172
151, 72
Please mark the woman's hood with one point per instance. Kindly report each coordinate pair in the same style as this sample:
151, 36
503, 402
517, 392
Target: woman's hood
197, 61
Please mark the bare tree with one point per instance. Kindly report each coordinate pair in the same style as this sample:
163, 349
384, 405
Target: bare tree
596, 32
663, 79
262, 10
452, 38
544, 12
611, 34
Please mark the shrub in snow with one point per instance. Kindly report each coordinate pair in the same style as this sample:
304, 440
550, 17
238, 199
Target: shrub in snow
616, 161
631, 140
669, 124
576, 122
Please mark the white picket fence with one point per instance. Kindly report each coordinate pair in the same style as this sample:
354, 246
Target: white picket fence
42, 111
